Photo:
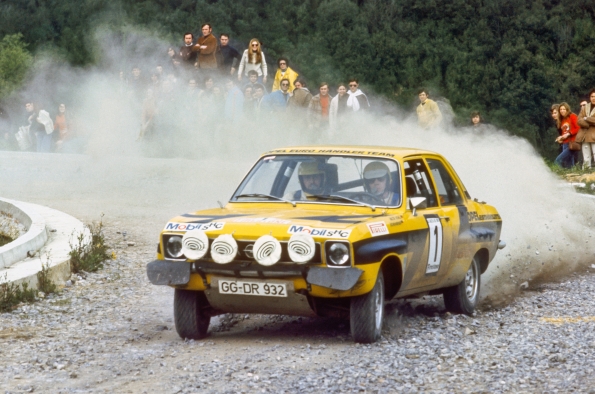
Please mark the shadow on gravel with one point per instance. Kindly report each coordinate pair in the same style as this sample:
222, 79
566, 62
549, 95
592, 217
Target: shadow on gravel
400, 315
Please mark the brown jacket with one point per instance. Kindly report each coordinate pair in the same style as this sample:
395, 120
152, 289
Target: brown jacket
586, 119
207, 57
300, 98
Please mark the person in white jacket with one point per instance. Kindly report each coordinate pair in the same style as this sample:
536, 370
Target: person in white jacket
253, 59
41, 125
338, 107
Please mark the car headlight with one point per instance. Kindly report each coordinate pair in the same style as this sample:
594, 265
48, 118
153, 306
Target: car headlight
301, 248
174, 246
337, 253
195, 244
224, 249
267, 250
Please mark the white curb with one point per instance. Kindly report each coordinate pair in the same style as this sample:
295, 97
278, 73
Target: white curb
61, 231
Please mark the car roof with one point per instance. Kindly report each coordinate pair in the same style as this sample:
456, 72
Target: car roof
356, 150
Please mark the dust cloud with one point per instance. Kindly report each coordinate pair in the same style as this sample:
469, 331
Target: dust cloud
199, 158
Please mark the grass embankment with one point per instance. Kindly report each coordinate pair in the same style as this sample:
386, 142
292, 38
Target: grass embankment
576, 174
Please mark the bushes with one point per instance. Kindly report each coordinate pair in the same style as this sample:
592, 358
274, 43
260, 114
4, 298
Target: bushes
85, 257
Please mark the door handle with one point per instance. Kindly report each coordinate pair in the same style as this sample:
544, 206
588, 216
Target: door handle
447, 218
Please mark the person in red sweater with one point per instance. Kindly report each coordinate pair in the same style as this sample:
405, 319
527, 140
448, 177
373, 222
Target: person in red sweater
569, 128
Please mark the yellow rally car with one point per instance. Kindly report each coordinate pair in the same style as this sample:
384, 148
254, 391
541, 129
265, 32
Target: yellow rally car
330, 231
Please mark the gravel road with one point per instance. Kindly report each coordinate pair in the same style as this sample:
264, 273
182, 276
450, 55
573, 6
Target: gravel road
113, 332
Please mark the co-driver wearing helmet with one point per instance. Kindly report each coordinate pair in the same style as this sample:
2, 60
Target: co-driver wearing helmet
312, 180
377, 181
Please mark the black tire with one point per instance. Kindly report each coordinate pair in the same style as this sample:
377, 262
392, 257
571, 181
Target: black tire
464, 297
191, 321
367, 314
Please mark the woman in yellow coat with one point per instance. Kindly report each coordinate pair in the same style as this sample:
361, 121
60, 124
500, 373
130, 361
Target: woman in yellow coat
284, 72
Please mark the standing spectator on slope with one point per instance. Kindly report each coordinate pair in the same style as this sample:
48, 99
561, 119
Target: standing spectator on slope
476, 119
248, 99
338, 107
569, 127
188, 52
41, 126
230, 57
207, 49
556, 118
428, 113
301, 96
253, 80
277, 100
319, 108
253, 59
586, 136
357, 100
62, 126
234, 102
258, 96
284, 72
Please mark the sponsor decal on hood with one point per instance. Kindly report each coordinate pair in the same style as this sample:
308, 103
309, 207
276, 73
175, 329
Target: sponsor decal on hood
377, 228
319, 232
213, 226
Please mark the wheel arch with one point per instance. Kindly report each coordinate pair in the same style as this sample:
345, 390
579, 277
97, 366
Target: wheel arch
483, 256
392, 270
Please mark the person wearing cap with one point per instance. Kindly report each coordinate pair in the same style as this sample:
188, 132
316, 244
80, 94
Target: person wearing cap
312, 181
377, 181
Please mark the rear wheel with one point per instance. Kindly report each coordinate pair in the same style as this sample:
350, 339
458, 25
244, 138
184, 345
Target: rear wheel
367, 314
191, 321
464, 297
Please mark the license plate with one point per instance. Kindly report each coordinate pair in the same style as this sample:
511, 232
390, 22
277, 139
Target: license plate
265, 289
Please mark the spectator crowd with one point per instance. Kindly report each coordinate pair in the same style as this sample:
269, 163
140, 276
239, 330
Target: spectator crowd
576, 134
210, 82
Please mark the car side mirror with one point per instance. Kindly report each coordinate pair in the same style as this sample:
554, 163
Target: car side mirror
418, 202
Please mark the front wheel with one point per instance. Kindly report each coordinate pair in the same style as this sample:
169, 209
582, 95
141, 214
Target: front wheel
464, 297
367, 314
191, 320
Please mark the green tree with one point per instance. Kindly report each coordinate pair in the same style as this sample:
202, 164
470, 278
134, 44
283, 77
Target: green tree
15, 62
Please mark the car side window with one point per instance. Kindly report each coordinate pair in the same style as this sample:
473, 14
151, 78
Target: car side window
418, 172
448, 192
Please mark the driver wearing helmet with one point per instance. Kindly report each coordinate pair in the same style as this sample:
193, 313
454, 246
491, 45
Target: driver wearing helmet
312, 180
377, 181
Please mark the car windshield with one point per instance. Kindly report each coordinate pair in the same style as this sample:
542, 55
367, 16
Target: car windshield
343, 180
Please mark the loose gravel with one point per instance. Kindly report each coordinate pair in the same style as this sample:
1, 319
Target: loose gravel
112, 331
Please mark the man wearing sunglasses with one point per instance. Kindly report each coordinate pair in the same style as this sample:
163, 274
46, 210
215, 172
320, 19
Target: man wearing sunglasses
357, 100
277, 100
284, 72
377, 181
428, 113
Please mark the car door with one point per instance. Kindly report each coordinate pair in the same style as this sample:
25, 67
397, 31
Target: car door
430, 247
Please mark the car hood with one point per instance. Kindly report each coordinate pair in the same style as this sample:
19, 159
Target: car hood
280, 223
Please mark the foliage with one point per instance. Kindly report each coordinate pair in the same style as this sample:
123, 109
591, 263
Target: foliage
89, 257
44, 282
5, 239
510, 60
15, 61
12, 294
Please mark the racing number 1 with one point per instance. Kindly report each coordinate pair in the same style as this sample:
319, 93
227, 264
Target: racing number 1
435, 246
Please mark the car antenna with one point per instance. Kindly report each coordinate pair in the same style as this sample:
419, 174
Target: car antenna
220, 205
